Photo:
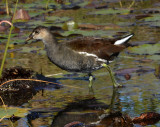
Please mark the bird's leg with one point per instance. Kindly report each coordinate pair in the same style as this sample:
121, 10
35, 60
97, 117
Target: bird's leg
115, 84
90, 80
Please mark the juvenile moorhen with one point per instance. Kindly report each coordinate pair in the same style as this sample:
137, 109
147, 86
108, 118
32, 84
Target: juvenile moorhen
84, 55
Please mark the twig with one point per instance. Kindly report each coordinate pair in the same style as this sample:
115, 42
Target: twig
4, 105
133, 2
6, 22
53, 75
3, 118
36, 80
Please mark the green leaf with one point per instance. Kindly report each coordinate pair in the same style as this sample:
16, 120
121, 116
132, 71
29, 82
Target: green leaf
82, 4
60, 19
100, 33
111, 11
155, 17
154, 57
35, 49
145, 49
19, 112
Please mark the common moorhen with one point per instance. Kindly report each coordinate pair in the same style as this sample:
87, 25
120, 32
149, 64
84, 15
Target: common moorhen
85, 54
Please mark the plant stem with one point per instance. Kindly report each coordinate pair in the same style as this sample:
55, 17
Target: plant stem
7, 9
15, 10
120, 3
47, 4
133, 2
5, 52
7, 44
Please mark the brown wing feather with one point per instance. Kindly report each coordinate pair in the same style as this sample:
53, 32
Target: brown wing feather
103, 48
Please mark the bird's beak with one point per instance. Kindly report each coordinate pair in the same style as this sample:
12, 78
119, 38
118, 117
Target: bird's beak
29, 38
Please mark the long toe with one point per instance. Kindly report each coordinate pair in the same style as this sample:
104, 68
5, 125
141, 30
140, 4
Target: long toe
116, 85
90, 85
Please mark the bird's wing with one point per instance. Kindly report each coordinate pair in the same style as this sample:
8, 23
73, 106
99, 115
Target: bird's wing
103, 48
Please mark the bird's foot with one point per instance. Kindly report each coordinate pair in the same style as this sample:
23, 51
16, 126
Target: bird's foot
90, 81
117, 85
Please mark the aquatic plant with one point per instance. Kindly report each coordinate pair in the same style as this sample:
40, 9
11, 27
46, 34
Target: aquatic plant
9, 36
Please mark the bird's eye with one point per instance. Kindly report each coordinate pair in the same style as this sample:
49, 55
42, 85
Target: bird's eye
36, 32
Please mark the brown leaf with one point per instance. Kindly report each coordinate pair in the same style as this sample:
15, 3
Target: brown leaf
116, 119
90, 26
142, 16
148, 118
97, 27
127, 76
75, 123
2, 12
21, 15
145, 60
3, 28
59, 1
16, 30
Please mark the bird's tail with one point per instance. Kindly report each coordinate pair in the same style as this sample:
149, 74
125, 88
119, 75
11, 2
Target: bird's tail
123, 40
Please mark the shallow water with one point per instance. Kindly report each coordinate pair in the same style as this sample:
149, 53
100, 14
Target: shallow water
48, 106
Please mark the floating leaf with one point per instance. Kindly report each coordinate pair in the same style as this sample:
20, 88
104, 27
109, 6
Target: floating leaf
154, 57
82, 4
7, 114
36, 13
34, 49
146, 49
155, 17
142, 16
6, 35
110, 11
98, 27
100, 33
58, 19
147, 118
19, 112
155, 24
50, 21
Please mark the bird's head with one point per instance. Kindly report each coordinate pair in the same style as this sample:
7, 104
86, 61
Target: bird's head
39, 33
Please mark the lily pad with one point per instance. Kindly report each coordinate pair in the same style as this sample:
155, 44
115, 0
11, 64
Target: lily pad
37, 23
35, 13
83, 4
100, 33
19, 112
6, 35
50, 21
146, 49
34, 49
153, 21
154, 57
153, 18
110, 11
155, 24
58, 19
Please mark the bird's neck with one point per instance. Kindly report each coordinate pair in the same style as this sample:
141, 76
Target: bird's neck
50, 41
51, 44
